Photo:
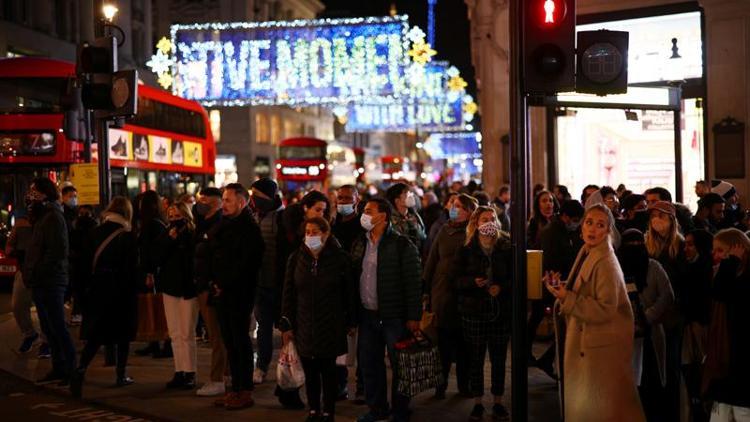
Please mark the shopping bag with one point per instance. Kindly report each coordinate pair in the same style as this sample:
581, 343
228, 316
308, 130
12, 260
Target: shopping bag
418, 366
289, 373
152, 321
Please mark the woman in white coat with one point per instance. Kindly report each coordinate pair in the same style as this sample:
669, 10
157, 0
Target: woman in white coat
598, 383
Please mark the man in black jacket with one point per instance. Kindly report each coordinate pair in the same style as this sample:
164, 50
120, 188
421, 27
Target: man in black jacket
46, 272
236, 249
387, 266
207, 213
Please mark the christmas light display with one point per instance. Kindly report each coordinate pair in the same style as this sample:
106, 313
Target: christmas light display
294, 62
461, 150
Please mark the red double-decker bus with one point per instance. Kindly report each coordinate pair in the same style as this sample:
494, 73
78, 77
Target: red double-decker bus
167, 146
302, 163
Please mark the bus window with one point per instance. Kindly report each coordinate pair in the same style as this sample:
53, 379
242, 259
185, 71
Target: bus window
32, 95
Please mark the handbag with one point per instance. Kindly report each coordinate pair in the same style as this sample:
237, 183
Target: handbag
289, 372
418, 365
152, 321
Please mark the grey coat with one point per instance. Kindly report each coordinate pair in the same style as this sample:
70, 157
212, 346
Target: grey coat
437, 274
656, 298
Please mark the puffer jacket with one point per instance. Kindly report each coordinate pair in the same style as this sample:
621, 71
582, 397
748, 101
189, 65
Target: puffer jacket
319, 300
399, 287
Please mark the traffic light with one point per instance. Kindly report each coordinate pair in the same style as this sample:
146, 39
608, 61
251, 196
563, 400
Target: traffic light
602, 62
103, 88
549, 46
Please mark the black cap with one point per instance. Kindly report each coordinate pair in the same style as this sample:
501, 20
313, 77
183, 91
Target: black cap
267, 186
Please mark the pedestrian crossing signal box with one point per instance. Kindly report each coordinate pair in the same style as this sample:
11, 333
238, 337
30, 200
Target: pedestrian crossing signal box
549, 46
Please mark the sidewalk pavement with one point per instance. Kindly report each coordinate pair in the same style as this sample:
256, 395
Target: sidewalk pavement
148, 396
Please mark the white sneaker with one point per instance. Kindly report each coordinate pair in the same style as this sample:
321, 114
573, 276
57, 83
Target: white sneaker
210, 389
259, 376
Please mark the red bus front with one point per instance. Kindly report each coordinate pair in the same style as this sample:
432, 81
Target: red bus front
301, 163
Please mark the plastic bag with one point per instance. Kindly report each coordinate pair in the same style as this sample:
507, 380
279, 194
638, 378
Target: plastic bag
289, 373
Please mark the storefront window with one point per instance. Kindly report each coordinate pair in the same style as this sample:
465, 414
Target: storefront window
261, 128
275, 129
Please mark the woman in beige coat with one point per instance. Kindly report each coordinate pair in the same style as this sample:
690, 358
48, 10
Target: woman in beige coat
598, 382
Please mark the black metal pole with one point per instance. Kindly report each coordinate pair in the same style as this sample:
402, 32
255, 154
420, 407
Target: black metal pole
519, 191
105, 185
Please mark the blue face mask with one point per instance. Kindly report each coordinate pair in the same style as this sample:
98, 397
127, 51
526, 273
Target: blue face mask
314, 243
453, 213
345, 209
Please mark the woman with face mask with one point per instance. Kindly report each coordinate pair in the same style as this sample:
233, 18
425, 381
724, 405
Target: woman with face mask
179, 293
598, 375
482, 278
405, 219
666, 245
651, 295
442, 295
317, 312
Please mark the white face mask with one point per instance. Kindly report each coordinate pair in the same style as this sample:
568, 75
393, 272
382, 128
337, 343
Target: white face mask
411, 201
72, 202
345, 209
314, 243
366, 222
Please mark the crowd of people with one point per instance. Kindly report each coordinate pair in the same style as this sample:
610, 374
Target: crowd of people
646, 297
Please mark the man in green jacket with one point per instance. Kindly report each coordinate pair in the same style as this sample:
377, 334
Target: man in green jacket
388, 268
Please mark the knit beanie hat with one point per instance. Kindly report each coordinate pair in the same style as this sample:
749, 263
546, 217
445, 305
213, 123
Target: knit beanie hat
267, 186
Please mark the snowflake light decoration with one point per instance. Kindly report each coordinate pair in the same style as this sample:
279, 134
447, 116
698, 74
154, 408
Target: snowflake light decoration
160, 63
415, 35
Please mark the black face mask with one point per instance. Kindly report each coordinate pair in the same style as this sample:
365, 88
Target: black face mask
263, 204
178, 224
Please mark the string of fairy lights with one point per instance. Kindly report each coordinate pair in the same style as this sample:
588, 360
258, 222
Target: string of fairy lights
377, 62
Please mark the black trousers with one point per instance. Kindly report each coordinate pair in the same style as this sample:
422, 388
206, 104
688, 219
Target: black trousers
92, 347
234, 322
321, 371
453, 349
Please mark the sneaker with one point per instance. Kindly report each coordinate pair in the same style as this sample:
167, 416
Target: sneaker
241, 400
28, 343
477, 413
211, 389
259, 376
75, 320
500, 413
124, 381
372, 417
312, 417
44, 352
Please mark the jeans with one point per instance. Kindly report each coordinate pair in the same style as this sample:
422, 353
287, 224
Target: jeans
374, 337
234, 320
266, 308
49, 306
317, 369
182, 315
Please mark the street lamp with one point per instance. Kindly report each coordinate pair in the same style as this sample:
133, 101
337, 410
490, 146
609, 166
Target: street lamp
109, 11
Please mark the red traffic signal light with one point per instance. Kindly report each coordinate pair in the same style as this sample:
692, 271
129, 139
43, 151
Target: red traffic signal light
549, 46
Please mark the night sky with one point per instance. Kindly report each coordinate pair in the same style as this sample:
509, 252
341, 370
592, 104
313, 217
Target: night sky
451, 26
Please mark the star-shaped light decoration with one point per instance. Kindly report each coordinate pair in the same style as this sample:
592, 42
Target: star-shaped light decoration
415, 35
165, 80
421, 52
456, 83
160, 63
470, 108
164, 45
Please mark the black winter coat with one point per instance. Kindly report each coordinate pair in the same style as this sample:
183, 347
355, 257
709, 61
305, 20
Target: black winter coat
202, 257
319, 300
110, 307
471, 263
236, 250
733, 290
149, 254
176, 257
46, 260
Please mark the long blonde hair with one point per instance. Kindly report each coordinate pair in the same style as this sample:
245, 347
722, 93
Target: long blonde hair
656, 244
471, 228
